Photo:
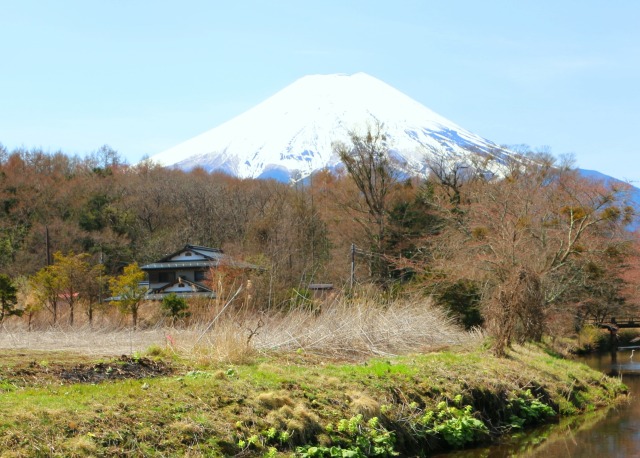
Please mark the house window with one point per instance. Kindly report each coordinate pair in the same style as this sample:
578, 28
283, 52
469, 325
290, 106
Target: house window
188, 253
198, 275
166, 277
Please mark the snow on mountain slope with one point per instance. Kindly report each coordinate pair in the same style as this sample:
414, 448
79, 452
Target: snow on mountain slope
291, 133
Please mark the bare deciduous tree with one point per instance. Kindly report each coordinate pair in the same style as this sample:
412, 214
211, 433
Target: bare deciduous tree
527, 237
368, 164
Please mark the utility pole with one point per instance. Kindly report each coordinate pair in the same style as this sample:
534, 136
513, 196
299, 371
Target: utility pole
46, 243
353, 264
100, 279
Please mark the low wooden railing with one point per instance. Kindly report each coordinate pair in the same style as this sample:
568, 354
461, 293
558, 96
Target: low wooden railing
622, 322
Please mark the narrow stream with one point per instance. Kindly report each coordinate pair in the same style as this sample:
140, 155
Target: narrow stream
613, 432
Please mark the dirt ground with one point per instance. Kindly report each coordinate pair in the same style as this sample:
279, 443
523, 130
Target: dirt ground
38, 368
59, 356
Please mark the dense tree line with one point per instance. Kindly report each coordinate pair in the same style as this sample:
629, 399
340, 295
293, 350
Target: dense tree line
142, 212
519, 244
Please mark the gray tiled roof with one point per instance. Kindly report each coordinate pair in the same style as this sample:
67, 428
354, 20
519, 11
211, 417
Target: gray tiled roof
159, 297
179, 265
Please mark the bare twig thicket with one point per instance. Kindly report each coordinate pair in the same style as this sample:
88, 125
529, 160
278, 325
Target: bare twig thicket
362, 327
351, 328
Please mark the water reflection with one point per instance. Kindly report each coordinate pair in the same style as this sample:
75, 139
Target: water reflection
613, 432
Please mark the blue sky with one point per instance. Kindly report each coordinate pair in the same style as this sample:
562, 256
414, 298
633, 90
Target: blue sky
142, 76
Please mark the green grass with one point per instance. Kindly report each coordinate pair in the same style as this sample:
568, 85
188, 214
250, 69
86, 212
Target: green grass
281, 402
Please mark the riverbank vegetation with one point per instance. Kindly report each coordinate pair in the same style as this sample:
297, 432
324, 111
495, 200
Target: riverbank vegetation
357, 379
285, 404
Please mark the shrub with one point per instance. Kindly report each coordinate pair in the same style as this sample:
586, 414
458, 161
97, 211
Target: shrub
175, 307
462, 299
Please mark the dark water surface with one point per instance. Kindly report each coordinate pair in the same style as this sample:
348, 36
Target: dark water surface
613, 432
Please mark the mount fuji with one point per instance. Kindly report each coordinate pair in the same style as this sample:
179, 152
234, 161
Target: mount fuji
291, 134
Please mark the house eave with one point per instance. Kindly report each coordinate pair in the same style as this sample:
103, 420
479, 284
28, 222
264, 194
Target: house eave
186, 295
179, 265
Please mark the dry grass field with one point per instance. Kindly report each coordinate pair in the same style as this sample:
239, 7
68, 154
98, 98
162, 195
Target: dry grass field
345, 329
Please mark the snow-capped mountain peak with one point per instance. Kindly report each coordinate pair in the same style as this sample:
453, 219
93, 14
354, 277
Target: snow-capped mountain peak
291, 133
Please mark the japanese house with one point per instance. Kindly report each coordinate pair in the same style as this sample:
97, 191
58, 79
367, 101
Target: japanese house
187, 272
